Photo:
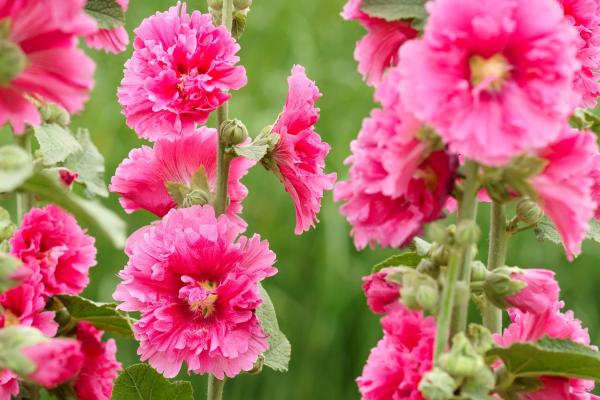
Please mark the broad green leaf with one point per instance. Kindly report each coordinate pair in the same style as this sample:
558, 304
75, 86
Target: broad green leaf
8, 265
545, 230
92, 214
56, 143
88, 163
254, 152
594, 232
104, 316
277, 357
142, 382
16, 166
393, 10
107, 13
406, 259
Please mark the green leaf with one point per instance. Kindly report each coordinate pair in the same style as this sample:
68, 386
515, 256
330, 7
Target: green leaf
104, 316
88, 163
393, 10
56, 143
16, 166
107, 13
545, 230
254, 152
421, 246
8, 265
277, 357
594, 232
92, 214
141, 382
406, 259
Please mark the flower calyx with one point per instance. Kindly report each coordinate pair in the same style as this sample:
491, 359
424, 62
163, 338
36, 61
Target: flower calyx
498, 285
197, 192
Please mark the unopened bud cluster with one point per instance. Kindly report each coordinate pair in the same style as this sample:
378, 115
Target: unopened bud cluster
233, 132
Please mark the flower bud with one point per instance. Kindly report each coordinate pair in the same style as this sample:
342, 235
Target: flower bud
52, 113
478, 271
6, 225
428, 267
419, 291
12, 61
439, 254
437, 385
480, 337
428, 297
467, 233
234, 132
462, 360
529, 212
498, 285
215, 4
479, 384
242, 4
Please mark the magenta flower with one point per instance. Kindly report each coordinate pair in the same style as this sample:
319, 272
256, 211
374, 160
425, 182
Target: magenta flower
399, 361
51, 240
142, 177
9, 385
195, 283
181, 69
299, 155
378, 50
100, 366
540, 294
494, 78
44, 35
57, 360
565, 186
595, 175
382, 295
110, 40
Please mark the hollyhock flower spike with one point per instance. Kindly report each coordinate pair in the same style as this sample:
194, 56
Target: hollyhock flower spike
40, 58
58, 360
180, 72
298, 155
494, 78
195, 283
111, 40
50, 240
141, 179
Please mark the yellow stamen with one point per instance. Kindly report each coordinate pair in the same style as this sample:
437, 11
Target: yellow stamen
492, 72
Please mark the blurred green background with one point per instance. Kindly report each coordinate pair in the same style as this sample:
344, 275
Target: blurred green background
317, 291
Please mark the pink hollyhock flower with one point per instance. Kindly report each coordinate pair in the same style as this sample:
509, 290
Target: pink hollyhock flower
195, 283
595, 174
141, 178
528, 327
58, 360
378, 50
9, 385
111, 40
50, 239
584, 15
494, 78
298, 158
540, 294
180, 72
565, 186
382, 295
44, 35
100, 366
395, 367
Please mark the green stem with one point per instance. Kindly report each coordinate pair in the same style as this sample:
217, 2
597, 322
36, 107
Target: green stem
215, 388
492, 316
25, 200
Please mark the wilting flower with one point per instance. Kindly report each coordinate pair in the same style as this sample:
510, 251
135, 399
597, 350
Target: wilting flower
382, 295
180, 72
195, 283
100, 366
40, 59
395, 367
298, 157
495, 78
50, 240
57, 361
540, 294
564, 188
378, 50
112, 40
142, 178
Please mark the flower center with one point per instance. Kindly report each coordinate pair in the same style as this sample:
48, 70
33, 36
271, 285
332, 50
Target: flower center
490, 73
200, 295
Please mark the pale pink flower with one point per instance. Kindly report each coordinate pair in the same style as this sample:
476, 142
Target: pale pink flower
50, 239
395, 367
299, 155
382, 295
378, 49
100, 366
57, 360
181, 71
111, 40
142, 177
195, 283
495, 78
45, 33
564, 188
540, 294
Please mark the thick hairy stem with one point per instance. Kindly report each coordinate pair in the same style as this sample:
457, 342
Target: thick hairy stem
459, 269
215, 388
25, 201
492, 316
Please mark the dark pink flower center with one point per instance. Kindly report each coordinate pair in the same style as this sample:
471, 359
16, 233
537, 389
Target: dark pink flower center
199, 295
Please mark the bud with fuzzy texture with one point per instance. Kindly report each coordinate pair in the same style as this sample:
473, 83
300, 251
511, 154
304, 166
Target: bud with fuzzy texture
541, 291
499, 285
242, 4
462, 360
419, 291
234, 132
529, 212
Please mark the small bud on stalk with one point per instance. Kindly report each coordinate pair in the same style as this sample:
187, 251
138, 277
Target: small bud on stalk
234, 132
529, 212
242, 4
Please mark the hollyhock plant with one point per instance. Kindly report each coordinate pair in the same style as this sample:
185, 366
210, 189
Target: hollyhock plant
181, 71
382, 295
540, 294
195, 282
41, 59
111, 40
399, 361
49, 239
141, 179
494, 78
57, 360
298, 157
100, 366
378, 50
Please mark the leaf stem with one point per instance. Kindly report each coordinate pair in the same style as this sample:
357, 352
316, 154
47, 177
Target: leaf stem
215, 388
25, 200
492, 316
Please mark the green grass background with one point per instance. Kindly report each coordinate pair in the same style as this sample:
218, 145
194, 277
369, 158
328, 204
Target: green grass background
317, 291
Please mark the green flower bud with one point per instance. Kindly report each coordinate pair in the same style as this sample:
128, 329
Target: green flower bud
480, 337
467, 233
242, 4
428, 267
462, 360
480, 384
419, 291
52, 113
12, 61
529, 212
427, 298
439, 254
215, 4
437, 385
234, 132
478, 271
217, 16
